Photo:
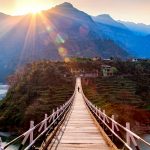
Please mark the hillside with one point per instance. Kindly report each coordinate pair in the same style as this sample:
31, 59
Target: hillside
35, 90
124, 96
117, 96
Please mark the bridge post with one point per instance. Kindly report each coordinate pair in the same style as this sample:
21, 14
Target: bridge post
45, 125
53, 115
57, 111
63, 108
1, 148
113, 126
60, 108
90, 105
99, 110
96, 110
131, 137
104, 115
31, 134
128, 140
103, 119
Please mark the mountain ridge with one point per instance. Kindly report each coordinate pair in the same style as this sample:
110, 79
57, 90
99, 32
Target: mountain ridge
62, 32
140, 28
107, 19
135, 41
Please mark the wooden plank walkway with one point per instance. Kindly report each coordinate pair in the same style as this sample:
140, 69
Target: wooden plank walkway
79, 131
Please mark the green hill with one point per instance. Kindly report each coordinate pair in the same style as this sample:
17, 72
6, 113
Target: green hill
121, 96
35, 90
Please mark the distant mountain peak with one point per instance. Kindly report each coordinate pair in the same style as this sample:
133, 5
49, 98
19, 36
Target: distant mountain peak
108, 20
66, 5
138, 28
70, 12
106, 16
2, 15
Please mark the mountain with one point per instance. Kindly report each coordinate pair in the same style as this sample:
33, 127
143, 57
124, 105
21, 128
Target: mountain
148, 36
119, 34
138, 28
3, 16
144, 42
136, 44
55, 34
108, 20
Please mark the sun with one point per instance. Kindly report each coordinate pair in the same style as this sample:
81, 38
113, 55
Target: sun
35, 10
32, 10
29, 10
31, 6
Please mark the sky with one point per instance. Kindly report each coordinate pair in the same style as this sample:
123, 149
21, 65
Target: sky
137, 11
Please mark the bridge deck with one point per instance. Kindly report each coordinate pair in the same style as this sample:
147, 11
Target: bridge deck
79, 131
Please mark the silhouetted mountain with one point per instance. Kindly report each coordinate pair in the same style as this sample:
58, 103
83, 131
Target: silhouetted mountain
138, 28
3, 16
108, 20
55, 34
144, 42
136, 44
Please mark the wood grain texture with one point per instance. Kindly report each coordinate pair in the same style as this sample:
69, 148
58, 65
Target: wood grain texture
79, 131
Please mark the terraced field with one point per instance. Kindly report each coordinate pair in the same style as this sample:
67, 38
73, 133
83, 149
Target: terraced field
118, 96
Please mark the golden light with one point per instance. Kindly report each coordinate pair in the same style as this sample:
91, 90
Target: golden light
31, 6
30, 50
35, 10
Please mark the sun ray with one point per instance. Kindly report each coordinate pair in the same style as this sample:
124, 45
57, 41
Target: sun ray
29, 50
54, 34
43, 24
8, 24
31, 6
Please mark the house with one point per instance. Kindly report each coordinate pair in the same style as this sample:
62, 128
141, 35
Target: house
134, 60
107, 70
96, 58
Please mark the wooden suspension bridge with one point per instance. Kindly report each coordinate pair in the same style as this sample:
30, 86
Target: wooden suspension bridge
78, 125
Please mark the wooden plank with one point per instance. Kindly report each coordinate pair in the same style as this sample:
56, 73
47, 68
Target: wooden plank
81, 147
79, 131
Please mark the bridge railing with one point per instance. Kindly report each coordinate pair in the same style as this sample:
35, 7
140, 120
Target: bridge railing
46, 126
129, 139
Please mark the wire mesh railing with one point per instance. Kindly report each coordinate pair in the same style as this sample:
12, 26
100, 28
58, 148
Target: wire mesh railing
28, 139
129, 139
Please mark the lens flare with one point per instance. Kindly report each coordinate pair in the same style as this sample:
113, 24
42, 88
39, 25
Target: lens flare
67, 59
48, 29
42, 25
59, 39
62, 51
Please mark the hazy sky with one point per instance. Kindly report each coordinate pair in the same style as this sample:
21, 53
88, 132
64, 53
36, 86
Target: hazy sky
129, 10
